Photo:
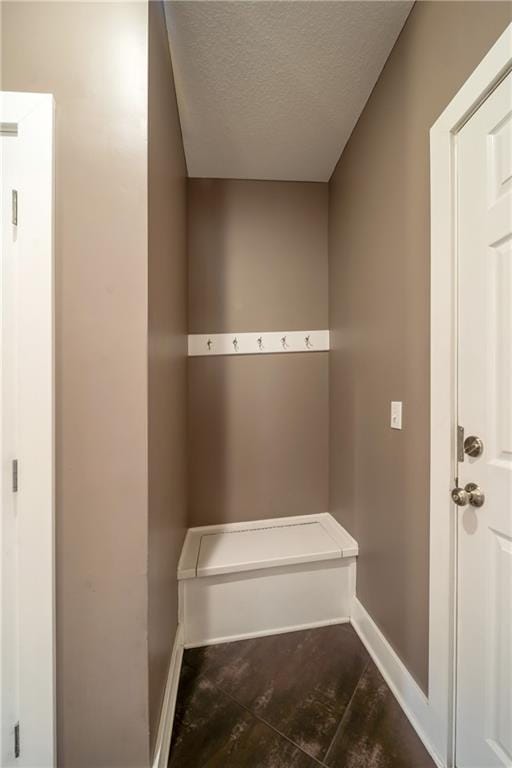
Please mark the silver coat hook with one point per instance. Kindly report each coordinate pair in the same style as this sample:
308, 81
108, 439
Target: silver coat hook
260, 343
209, 344
284, 343
235, 344
308, 343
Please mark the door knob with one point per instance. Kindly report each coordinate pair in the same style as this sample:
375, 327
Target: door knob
476, 496
471, 494
460, 496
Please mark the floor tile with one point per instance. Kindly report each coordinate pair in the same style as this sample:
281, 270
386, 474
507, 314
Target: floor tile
300, 683
213, 731
375, 732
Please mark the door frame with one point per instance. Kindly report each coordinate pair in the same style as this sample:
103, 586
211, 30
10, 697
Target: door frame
443, 387
33, 116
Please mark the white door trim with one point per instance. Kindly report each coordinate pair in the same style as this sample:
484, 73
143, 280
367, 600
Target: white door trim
33, 113
443, 153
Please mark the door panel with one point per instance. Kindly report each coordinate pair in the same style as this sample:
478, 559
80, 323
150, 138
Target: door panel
484, 637
502, 411
501, 645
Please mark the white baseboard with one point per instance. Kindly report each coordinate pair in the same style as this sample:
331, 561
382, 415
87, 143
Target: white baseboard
163, 740
403, 686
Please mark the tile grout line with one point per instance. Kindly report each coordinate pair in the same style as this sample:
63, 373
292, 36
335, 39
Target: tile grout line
342, 726
345, 713
319, 761
267, 724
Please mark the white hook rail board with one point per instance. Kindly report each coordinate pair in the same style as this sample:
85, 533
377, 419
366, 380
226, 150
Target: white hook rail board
254, 343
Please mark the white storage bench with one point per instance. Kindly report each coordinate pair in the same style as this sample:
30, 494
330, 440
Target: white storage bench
260, 578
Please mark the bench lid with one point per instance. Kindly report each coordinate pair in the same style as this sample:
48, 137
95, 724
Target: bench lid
214, 550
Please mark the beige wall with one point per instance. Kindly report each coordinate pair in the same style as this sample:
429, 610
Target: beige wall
257, 255
93, 58
258, 432
379, 313
258, 426
167, 283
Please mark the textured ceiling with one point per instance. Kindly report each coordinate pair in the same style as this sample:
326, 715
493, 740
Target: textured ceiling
272, 90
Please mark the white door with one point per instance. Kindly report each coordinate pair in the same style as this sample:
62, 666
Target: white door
484, 633
27, 670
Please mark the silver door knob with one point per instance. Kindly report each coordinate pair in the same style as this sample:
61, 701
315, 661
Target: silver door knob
471, 494
476, 496
460, 496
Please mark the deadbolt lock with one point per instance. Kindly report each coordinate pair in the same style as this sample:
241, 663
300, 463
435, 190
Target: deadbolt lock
471, 494
473, 446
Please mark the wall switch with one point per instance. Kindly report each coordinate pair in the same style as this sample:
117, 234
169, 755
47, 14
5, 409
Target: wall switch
396, 415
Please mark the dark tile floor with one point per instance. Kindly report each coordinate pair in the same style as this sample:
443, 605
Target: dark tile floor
300, 700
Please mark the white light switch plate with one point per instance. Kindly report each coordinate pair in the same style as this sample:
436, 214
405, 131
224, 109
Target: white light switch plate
396, 415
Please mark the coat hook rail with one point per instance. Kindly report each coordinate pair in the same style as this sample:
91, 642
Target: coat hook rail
257, 343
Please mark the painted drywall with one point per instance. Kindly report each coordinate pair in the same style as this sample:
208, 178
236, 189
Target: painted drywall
257, 256
272, 90
379, 314
258, 434
258, 426
167, 295
93, 58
